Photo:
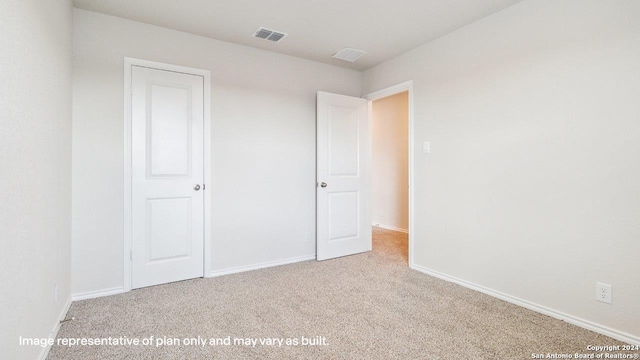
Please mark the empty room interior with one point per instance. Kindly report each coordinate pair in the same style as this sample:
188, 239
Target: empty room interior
416, 179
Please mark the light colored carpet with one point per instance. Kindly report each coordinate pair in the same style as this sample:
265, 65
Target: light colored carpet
367, 306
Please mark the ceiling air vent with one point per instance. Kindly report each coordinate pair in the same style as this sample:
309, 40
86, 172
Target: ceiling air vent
271, 35
349, 54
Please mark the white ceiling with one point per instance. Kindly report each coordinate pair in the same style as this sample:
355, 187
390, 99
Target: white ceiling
317, 28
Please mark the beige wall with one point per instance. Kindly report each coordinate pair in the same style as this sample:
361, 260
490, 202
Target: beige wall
389, 161
35, 171
531, 188
263, 144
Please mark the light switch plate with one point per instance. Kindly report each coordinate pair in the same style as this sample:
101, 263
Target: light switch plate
426, 147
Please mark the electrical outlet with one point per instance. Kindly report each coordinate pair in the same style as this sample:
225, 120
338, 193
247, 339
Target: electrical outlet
604, 293
307, 237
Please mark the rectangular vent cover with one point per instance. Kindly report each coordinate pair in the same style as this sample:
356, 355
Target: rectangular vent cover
349, 54
270, 35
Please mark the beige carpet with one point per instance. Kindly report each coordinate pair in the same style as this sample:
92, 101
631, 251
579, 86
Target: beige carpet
367, 306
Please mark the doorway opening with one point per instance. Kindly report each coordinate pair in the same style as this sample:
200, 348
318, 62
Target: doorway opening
391, 159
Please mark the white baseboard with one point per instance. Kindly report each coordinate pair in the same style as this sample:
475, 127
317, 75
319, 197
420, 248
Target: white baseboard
56, 327
239, 269
96, 294
586, 324
389, 227
263, 265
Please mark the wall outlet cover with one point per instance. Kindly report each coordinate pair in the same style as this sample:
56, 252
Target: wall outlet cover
604, 293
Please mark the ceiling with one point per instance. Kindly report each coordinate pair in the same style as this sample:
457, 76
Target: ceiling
317, 28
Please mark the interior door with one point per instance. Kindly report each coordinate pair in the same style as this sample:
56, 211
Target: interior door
167, 176
343, 176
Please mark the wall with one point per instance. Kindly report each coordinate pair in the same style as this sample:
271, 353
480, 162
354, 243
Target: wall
531, 188
263, 144
35, 171
390, 162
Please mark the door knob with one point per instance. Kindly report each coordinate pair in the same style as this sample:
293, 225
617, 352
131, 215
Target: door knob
323, 184
197, 187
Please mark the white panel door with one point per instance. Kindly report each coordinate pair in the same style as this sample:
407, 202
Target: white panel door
167, 176
343, 179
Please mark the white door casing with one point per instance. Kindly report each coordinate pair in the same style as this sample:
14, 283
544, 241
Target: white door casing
343, 176
167, 158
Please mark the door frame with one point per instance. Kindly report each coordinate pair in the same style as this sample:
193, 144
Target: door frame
383, 93
127, 238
